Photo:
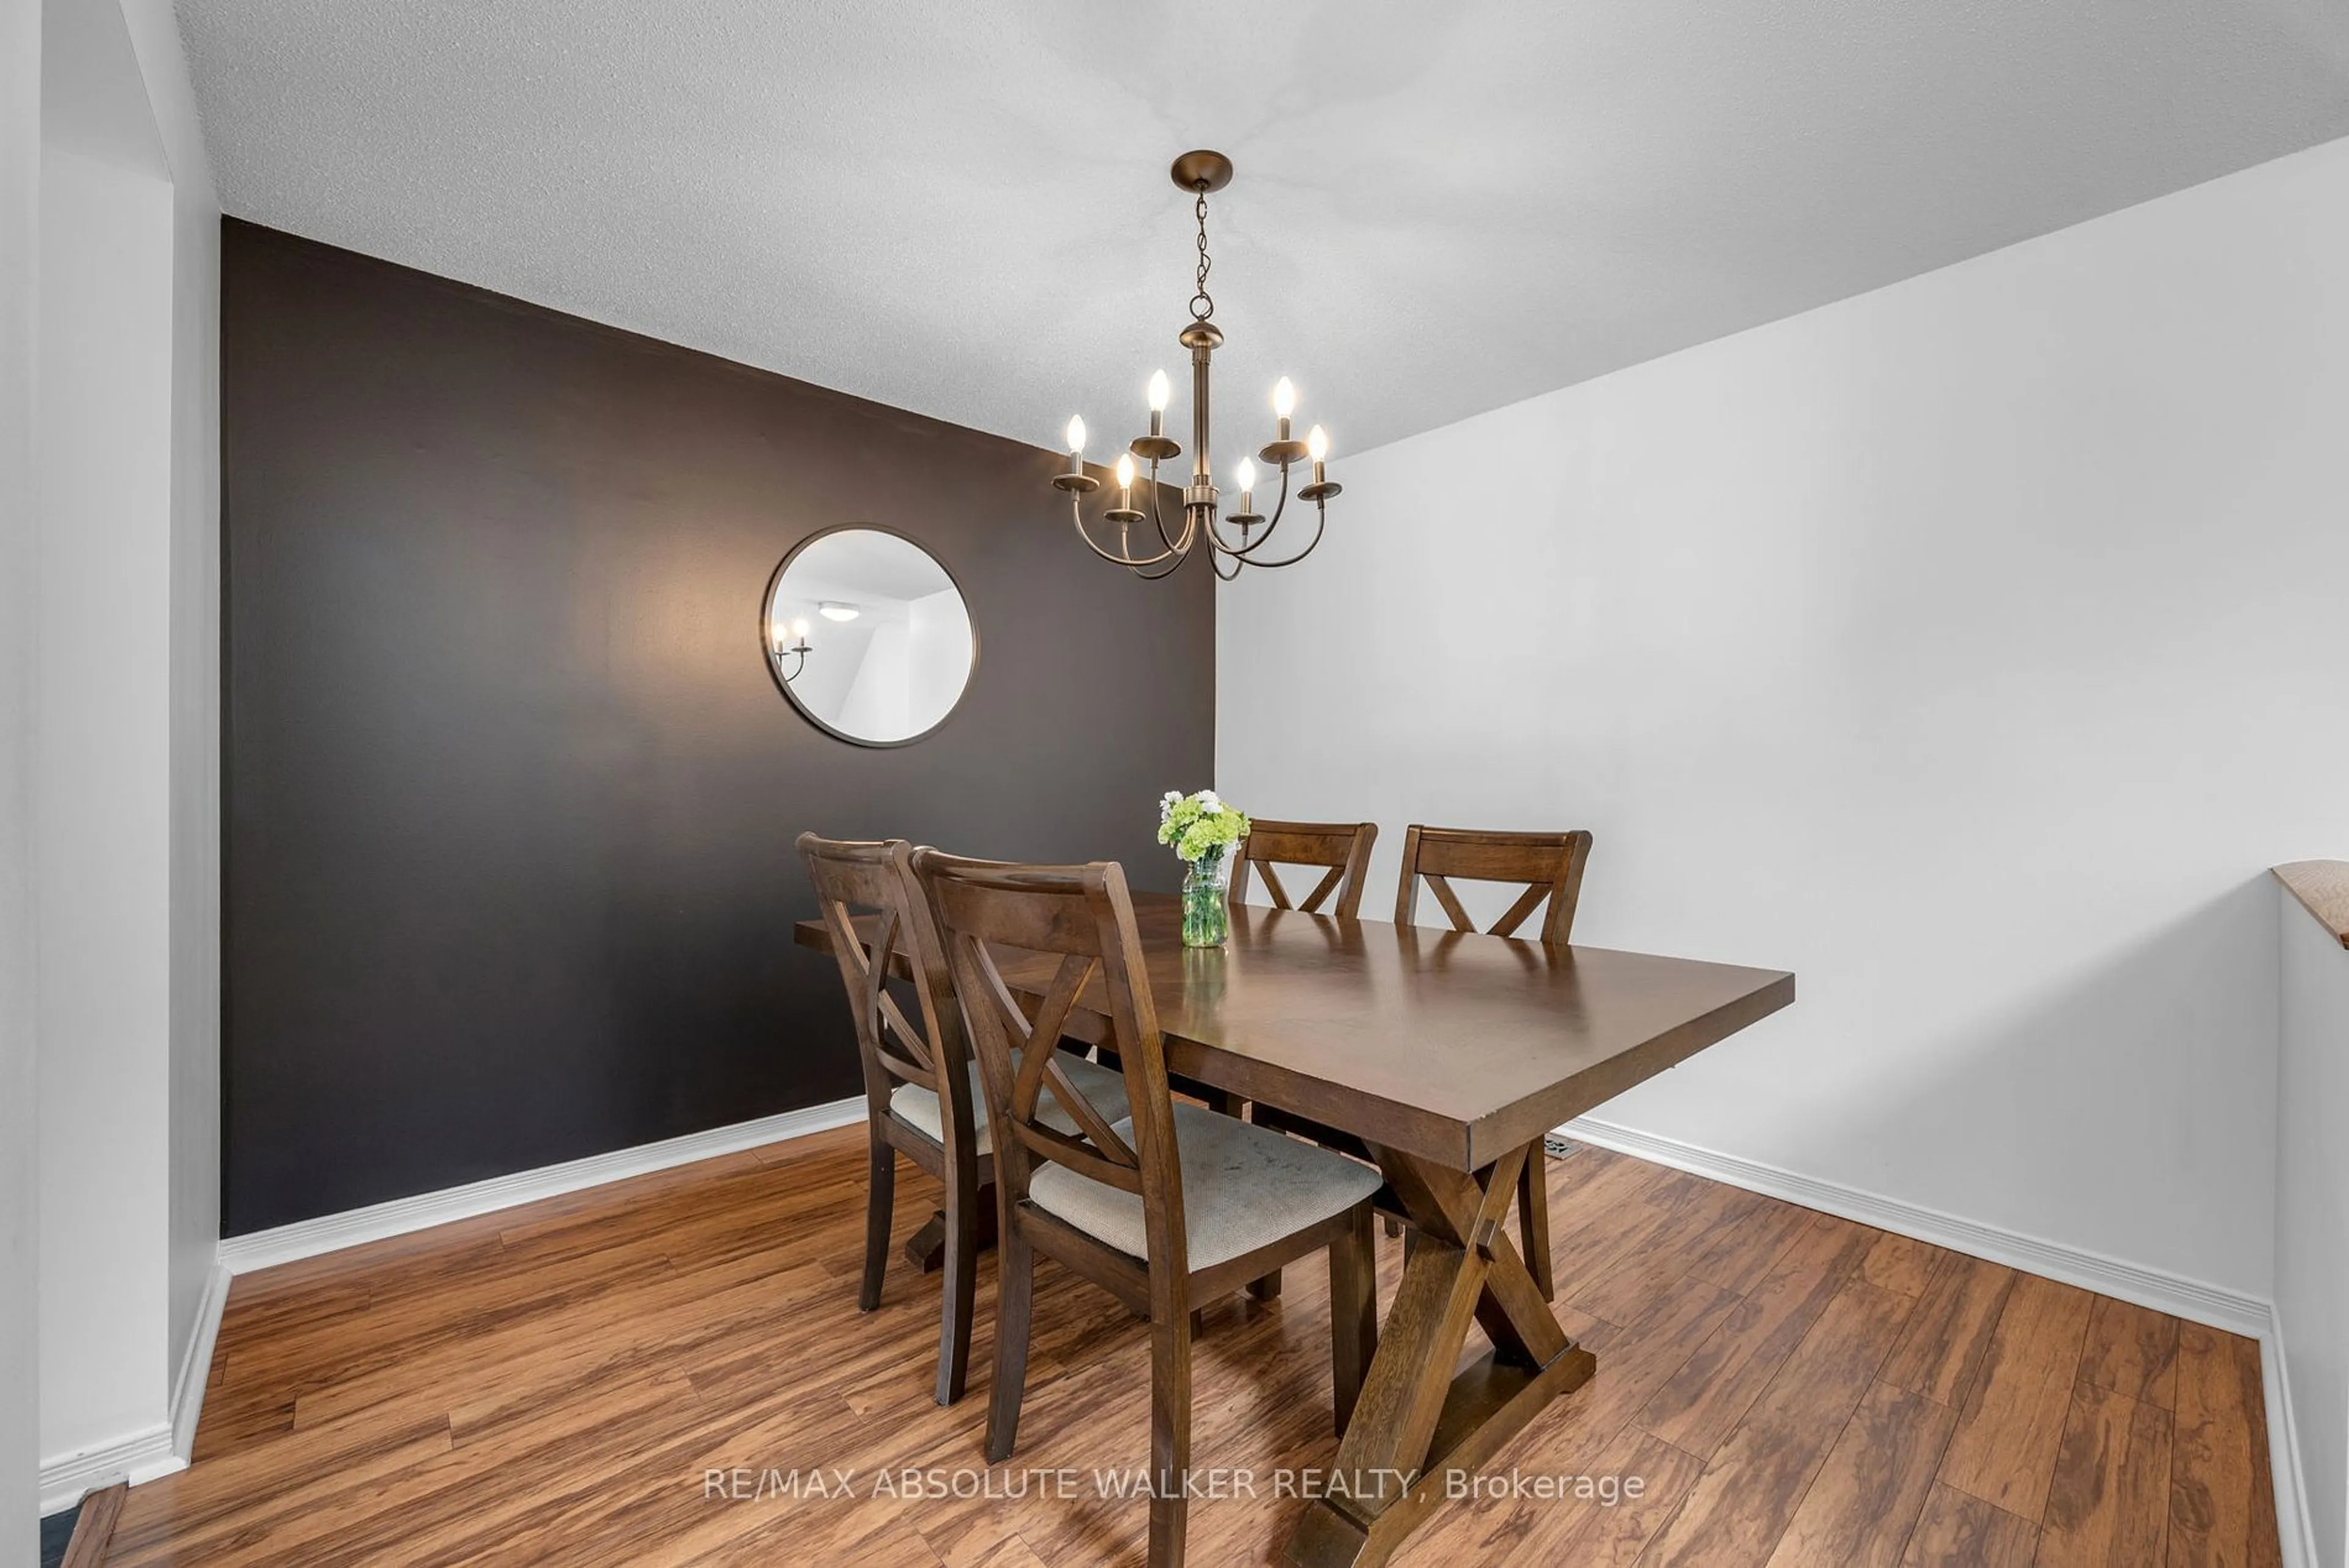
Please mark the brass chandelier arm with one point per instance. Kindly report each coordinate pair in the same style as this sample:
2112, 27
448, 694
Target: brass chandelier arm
1158, 522
1176, 552
1247, 552
1320, 518
1181, 557
1077, 515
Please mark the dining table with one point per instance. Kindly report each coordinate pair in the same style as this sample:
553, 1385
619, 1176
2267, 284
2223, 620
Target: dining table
1450, 1055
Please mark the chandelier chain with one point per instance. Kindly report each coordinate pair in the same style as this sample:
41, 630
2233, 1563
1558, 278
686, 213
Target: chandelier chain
1203, 304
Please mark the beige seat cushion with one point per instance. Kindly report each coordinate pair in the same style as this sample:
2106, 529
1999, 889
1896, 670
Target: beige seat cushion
1243, 1188
1104, 1086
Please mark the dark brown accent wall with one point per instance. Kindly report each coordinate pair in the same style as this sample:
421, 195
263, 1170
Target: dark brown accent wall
511, 796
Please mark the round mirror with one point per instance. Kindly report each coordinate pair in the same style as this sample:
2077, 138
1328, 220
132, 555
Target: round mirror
868, 636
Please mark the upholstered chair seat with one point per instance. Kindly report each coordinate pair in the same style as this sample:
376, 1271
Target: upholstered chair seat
1104, 1086
1243, 1188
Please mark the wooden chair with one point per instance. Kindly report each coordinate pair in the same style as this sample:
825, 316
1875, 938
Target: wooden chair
1549, 866
1341, 851
1343, 848
1166, 1207
920, 1084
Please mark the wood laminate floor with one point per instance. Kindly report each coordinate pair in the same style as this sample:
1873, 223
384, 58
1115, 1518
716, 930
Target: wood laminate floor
557, 1384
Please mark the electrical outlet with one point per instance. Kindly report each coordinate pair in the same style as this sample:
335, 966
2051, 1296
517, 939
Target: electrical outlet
1557, 1147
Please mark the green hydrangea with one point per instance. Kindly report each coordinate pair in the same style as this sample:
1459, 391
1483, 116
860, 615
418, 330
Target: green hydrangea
1200, 827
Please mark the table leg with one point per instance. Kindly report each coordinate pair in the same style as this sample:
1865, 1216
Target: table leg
1417, 1424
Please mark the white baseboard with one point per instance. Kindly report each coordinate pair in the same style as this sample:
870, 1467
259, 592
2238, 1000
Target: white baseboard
332, 1232
2193, 1300
159, 1451
196, 1363
2293, 1523
141, 1457
2173, 1293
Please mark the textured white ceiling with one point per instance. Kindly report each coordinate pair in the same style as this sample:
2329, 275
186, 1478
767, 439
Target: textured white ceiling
962, 209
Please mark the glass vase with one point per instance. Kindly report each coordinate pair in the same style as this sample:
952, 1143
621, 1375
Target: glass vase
1207, 902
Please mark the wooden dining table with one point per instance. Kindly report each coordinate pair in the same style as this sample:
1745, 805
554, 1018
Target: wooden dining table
1450, 1055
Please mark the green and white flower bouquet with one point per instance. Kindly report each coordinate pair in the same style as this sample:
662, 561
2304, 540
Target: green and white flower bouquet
1206, 834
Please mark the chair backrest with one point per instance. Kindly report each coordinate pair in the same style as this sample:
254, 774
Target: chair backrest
875, 879
1549, 866
1084, 914
1343, 847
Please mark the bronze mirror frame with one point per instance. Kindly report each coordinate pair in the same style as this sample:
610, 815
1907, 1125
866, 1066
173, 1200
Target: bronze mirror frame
774, 670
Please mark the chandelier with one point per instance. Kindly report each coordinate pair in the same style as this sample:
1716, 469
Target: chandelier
1198, 172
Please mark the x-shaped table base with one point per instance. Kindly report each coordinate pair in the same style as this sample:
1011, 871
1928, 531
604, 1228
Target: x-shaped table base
1417, 1424
925, 1249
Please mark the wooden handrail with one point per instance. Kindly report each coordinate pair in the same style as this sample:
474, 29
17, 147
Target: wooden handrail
2322, 889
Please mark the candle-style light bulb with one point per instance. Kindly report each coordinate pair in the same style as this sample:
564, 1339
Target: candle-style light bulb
1160, 391
1317, 443
800, 629
1246, 474
1125, 471
1284, 398
1076, 435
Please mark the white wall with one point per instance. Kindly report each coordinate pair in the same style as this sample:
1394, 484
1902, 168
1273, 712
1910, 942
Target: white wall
1970, 648
937, 655
102, 799
875, 703
195, 687
20, 161
128, 788
2312, 1215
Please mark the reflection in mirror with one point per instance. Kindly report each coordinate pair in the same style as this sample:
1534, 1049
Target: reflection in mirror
868, 636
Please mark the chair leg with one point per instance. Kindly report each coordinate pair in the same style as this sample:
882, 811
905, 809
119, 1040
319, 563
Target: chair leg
880, 1203
1015, 1287
1354, 1313
960, 1288
1533, 1220
1169, 1437
1266, 1288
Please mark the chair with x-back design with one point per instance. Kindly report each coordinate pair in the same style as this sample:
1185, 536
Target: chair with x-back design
1339, 850
1549, 867
1165, 1208
920, 1084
